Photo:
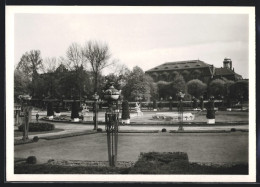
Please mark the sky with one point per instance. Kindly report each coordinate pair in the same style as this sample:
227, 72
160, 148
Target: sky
144, 40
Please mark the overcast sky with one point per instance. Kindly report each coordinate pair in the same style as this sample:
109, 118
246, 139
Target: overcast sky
144, 40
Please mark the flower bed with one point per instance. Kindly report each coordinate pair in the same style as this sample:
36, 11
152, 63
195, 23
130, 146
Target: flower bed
36, 127
173, 116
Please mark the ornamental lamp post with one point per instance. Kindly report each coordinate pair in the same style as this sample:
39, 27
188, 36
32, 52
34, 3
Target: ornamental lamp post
95, 98
111, 95
27, 114
180, 96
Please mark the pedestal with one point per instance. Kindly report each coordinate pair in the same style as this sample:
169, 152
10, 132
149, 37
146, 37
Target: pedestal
50, 117
125, 121
75, 119
57, 114
211, 121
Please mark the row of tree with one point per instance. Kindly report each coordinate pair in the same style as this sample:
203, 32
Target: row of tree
79, 74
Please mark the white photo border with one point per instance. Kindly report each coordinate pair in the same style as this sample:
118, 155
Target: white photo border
12, 10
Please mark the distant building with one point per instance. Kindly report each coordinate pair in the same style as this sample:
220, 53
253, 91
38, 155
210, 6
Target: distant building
193, 69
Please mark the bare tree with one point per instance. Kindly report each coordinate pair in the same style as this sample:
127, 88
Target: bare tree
97, 54
75, 56
50, 64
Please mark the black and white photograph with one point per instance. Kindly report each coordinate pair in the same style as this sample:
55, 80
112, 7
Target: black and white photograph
133, 94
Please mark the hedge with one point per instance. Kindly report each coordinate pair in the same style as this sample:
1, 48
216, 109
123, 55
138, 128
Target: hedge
125, 110
161, 163
36, 127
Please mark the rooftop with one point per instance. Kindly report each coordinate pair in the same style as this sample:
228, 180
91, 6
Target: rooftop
180, 65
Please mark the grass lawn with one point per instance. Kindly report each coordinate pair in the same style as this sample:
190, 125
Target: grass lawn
18, 133
201, 147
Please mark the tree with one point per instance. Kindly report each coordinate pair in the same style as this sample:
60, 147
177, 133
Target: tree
238, 89
21, 83
178, 84
74, 110
50, 111
30, 64
217, 87
196, 88
76, 61
97, 55
139, 85
50, 64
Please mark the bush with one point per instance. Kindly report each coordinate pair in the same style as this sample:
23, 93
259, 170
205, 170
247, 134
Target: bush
50, 109
161, 163
57, 110
31, 160
164, 130
125, 110
154, 104
99, 129
233, 130
35, 138
36, 127
74, 110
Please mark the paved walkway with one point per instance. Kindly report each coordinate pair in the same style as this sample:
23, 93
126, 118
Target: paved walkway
74, 127
77, 127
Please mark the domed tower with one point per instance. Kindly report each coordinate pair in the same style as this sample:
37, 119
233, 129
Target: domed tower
227, 63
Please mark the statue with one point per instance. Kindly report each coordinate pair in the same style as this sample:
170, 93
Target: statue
138, 109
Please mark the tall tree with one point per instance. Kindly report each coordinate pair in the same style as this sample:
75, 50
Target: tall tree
76, 61
31, 64
139, 85
21, 84
97, 54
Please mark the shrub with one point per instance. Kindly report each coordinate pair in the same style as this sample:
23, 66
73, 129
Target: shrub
35, 138
31, 160
161, 163
125, 110
164, 130
74, 110
99, 129
57, 109
233, 130
154, 104
50, 109
36, 127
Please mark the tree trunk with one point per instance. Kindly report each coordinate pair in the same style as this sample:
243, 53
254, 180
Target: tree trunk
96, 82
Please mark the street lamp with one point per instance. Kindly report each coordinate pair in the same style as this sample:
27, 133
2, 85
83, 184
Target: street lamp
180, 96
95, 98
111, 95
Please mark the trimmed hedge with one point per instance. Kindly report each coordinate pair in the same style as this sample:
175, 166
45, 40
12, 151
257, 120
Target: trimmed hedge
161, 163
50, 111
36, 127
31, 160
74, 110
125, 110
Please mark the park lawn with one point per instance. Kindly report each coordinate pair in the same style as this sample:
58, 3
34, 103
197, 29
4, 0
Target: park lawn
18, 133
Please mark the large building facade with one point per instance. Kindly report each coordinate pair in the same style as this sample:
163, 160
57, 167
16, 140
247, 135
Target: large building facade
193, 69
